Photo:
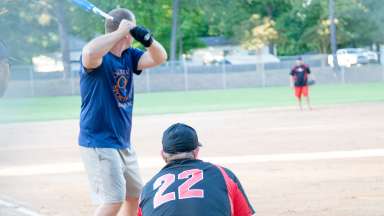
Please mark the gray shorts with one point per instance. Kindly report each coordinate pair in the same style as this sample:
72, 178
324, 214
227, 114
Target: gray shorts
113, 174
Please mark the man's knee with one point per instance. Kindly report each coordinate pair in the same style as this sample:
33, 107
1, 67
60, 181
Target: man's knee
129, 207
132, 199
108, 209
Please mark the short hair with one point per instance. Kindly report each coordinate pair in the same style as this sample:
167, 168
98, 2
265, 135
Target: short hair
177, 156
118, 14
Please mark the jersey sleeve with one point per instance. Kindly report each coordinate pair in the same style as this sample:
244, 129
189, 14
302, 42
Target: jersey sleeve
307, 69
139, 212
84, 70
239, 202
135, 55
292, 73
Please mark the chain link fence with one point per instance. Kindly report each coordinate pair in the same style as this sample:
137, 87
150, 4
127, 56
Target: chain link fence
25, 82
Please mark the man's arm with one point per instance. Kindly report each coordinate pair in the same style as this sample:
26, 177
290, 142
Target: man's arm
93, 52
292, 77
155, 55
239, 201
291, 81
309, 73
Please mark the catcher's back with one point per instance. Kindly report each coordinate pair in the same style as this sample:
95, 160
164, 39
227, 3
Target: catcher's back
194, 187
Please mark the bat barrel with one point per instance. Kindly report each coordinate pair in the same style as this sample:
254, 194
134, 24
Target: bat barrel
101, 13
84, 4
88, 6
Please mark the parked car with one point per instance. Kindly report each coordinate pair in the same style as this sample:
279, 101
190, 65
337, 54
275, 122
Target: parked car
349, 57
373, 57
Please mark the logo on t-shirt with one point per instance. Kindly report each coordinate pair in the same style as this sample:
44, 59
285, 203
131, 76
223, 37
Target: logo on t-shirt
300, 76
122, 86
299, 70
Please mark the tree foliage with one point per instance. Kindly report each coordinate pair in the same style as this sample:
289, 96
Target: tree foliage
257, 32
30, 27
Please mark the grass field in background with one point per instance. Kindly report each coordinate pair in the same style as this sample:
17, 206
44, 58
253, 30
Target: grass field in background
58, 108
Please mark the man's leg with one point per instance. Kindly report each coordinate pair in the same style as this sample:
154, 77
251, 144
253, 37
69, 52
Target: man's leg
298, 92
299, 102
108, 209
308, 103
306, 95
129, 207
106, 177
133, 182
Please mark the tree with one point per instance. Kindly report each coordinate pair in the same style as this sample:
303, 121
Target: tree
44, 26
62, 24
372, 11
258, 32
27, 29
305, 27
175, 14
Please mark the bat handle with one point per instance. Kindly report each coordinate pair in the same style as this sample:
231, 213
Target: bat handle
102, 13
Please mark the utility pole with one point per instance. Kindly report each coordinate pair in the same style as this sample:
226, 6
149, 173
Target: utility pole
4, 69
64, 38
175, 12
333, 39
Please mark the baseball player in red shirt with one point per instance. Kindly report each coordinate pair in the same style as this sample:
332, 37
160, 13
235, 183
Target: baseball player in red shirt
299, 81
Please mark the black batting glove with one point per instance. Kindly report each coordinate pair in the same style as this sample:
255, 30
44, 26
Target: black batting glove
143, 35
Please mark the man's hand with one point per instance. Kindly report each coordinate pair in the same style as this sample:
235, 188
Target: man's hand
142, 35
291, 82
125, 27
93, 52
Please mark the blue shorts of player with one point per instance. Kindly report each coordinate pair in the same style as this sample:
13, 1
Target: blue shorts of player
194, 187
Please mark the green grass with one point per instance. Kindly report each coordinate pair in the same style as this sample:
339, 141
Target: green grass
58, 108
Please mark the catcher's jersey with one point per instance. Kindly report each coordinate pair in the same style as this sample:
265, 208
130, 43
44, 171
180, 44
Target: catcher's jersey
191, 188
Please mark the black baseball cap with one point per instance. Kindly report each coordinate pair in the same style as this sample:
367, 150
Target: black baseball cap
180, 138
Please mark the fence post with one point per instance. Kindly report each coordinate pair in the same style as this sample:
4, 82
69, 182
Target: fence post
382, 72
148, 81
224, 77
185, 67
72, 83
32, 81
342, 75
264, 79
260, 66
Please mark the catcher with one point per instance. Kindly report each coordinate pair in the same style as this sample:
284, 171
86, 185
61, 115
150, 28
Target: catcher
188, 186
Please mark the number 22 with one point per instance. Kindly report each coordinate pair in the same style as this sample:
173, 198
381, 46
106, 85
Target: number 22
193, 176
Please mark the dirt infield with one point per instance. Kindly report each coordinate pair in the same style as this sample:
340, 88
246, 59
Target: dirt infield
40, 166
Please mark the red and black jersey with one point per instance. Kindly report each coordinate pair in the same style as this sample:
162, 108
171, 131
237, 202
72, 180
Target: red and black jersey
300, 75
191, 188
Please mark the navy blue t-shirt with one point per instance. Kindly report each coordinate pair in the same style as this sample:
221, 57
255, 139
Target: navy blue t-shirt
107, 101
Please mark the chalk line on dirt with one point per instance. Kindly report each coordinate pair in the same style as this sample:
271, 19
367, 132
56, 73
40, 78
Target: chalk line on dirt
156, 162
18, 209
